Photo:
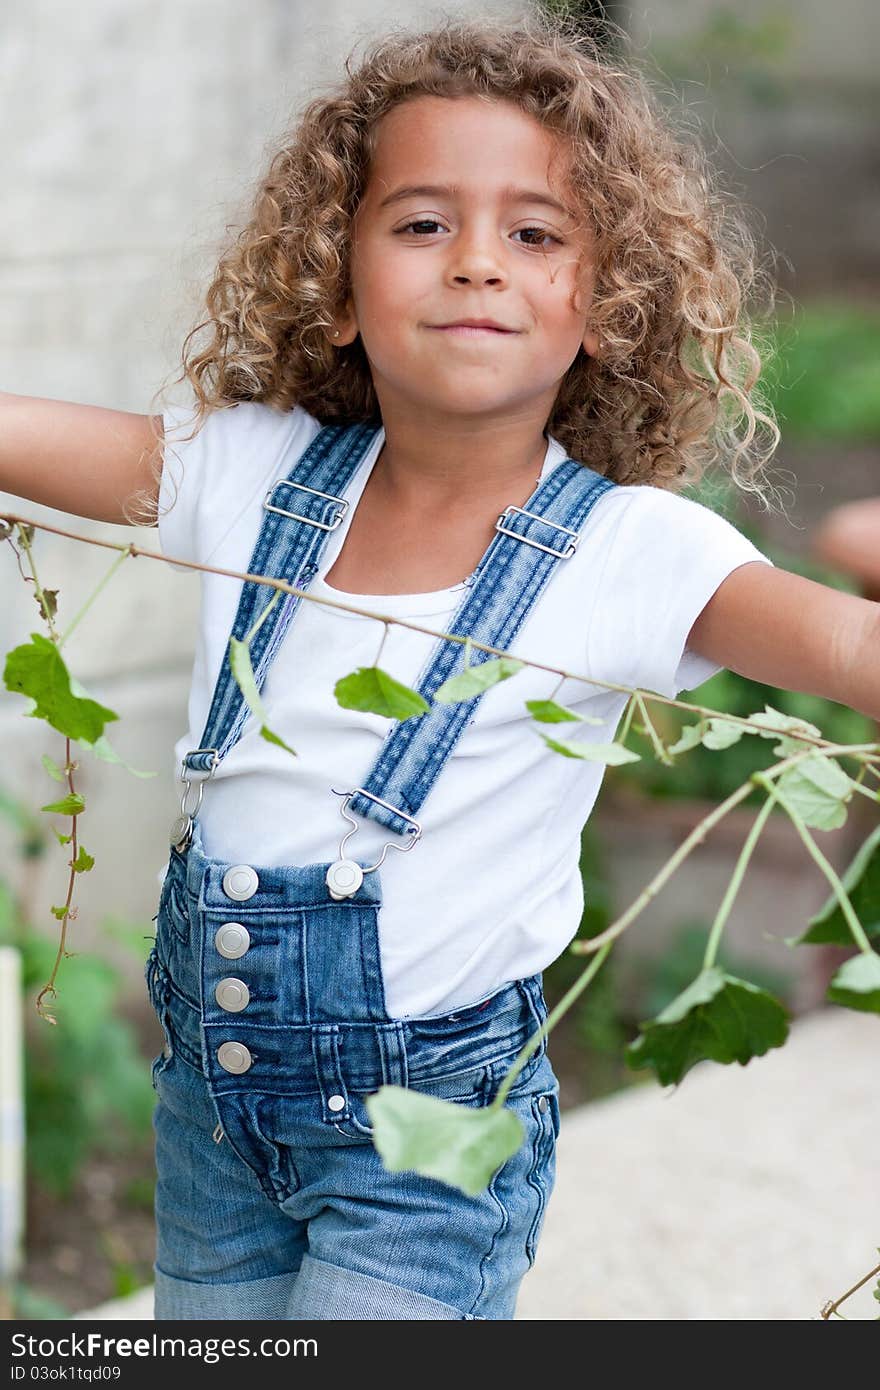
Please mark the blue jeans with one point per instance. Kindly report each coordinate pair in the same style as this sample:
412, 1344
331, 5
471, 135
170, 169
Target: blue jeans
271, 1200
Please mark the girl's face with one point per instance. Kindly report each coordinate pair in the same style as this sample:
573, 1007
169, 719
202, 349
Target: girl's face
467, 216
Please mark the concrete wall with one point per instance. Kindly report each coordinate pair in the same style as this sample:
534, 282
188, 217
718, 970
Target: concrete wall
788, 95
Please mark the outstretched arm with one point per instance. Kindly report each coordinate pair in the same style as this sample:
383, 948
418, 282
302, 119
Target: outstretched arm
783, 630
81, 459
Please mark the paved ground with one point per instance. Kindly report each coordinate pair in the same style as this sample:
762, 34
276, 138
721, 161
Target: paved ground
750, 1193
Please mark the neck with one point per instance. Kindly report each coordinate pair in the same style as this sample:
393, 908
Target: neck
458, 465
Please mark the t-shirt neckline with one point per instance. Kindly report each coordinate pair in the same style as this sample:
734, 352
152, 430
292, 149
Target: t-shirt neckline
402, 605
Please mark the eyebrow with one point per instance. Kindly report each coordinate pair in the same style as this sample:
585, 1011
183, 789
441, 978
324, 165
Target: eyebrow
436, 190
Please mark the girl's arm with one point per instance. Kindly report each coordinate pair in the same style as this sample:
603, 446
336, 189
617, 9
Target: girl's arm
76, 458
783, 630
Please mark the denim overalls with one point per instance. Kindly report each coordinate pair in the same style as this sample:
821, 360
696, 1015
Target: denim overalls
271, 1200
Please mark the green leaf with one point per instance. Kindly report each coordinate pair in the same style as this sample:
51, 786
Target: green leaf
440, 1139
717, 1018
372, 689
691, 736
83, 862
862, 885
71, 805
52, 768
102, 748
817, 788
548, 712
59, 912
270, 737
857, 984
476, 679
774, 722
38, 671
243, 671
613, 753
721, 733
63, 839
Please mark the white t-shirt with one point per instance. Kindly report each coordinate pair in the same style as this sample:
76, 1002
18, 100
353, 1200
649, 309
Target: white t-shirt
492, 892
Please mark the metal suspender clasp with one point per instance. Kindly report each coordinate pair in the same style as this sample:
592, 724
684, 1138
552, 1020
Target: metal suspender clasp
200, 763
560, 554
341, 504
345, 876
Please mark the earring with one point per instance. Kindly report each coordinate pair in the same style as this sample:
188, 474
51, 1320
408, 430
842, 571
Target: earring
336, 333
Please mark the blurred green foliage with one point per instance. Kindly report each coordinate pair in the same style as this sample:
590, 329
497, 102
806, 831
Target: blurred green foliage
87, 1085
824, 376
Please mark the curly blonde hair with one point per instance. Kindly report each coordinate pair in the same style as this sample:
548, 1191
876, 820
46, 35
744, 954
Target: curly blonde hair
678, 366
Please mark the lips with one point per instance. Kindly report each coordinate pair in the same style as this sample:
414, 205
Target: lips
473, 328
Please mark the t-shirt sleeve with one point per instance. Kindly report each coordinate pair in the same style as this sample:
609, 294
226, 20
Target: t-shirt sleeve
666, 557
212, 477
183, 467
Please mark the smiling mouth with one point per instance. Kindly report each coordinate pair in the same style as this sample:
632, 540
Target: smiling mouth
469, 331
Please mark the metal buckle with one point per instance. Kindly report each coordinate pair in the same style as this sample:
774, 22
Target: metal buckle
182, 829
560, 554
345, 876
295, 516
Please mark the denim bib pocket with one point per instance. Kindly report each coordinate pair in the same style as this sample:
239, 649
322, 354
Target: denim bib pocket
470, 1088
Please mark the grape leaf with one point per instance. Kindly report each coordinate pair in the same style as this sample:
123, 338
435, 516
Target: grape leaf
441, 1139
548, 712
83, 862
817, 788
613, 753
243, 671
856, 984
38, 671
70, 805
476, 679
861, 881
372, 689
717, 1018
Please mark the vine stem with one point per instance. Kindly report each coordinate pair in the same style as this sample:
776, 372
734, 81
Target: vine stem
70, 768
281, 585
833, 1307
840, 893
41, 597
698, 834
126, 553
735, 880
549, 1023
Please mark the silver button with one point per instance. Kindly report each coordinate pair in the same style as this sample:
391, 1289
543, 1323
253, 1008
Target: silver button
240, 882
232, 994
336, 1102
543, 1102
232, 940
234, 1056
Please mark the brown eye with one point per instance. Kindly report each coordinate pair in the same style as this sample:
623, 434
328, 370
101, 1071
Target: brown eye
542, 233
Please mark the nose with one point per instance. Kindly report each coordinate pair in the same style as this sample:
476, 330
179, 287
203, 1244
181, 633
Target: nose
476, 259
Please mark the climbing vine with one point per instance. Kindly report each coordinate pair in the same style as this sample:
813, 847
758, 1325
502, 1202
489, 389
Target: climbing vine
718, 1017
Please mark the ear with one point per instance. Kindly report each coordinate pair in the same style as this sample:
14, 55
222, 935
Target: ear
347, 325
591, 342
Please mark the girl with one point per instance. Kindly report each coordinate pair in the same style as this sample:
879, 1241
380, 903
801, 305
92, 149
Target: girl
483, 321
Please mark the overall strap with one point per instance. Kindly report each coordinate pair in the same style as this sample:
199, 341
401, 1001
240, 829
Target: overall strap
300, 510
529, 544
